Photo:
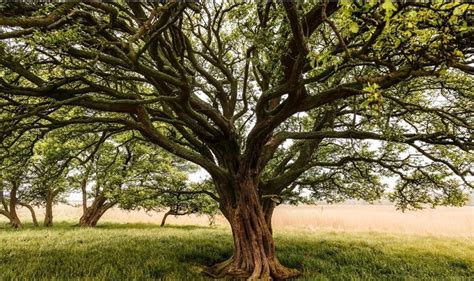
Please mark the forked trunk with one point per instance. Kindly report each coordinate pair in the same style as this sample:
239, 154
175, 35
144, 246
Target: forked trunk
14, 219
254, 256
93, 213
91, 217
48, 216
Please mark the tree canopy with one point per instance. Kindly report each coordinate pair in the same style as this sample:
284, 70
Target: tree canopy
270, 98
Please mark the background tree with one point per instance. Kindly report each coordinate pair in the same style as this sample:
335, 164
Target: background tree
13, 174
117, 168
267, 97
48, 171
47, 174
11, 181
174, 195
106, 174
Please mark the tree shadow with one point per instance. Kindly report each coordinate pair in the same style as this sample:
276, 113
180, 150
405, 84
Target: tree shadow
148, 226
180, 255
362, 260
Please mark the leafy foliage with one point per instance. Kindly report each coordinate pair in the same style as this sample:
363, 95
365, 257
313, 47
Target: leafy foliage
174, 195
275, 99
372, 68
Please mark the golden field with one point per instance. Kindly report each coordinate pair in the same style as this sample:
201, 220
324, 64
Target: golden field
442, 221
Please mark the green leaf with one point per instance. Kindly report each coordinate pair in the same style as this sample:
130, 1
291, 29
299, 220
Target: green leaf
353, 27
458, 53
388, 6
389, 9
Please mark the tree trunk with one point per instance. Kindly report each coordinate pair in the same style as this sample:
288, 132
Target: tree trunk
84, 201
268, 208
254, 255
163, 221
14, 219
93, 213
48, 217
84, 195
32, 211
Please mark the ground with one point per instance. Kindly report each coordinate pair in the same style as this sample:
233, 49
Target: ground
143, 251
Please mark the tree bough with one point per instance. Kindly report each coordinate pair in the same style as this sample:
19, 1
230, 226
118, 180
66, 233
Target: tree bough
275, 99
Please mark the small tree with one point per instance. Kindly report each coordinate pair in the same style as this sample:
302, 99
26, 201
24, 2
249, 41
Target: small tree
12, 179
48, 171
9, 204
176, 196
15, 161
106, 174
188, 199
117, 167
51, 167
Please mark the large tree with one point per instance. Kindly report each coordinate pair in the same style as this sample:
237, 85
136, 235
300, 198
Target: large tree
269, 97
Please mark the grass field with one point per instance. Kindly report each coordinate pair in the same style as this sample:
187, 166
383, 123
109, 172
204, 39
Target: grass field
145, 251
351, 243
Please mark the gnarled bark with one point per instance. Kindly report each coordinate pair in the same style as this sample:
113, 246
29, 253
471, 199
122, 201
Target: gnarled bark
15, 221
93, 213
254, 256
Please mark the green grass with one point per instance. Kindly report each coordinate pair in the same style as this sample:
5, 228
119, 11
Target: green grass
143, 252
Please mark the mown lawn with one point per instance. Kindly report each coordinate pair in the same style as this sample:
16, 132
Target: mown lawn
143, 252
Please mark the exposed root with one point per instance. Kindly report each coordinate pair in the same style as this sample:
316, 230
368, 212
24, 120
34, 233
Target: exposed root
226, 268
234, 270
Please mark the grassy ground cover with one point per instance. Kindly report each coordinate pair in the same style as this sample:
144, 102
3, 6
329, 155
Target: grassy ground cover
146, 251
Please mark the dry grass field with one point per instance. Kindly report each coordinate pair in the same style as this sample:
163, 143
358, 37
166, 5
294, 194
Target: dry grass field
442, 221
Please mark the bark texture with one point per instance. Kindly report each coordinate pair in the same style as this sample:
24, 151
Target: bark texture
48, 217
254, 256
84, 196
93, 213
15, 221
